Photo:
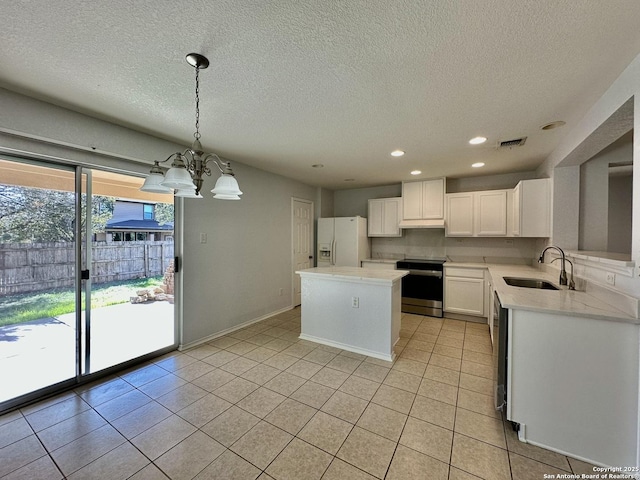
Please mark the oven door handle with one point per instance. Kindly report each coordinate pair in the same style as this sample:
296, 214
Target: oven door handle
426, 273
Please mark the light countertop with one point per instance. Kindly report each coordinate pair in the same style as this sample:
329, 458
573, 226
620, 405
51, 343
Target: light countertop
381, 260
466, 265
592, 304
363, 275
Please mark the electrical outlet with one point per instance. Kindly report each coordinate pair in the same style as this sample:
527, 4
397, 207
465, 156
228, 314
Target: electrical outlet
281, 292
203, 238
509, 242
355, 302
611, 278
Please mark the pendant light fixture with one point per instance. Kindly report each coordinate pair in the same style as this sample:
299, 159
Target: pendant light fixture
185, 177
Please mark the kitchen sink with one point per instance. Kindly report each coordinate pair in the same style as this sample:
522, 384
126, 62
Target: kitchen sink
529, 283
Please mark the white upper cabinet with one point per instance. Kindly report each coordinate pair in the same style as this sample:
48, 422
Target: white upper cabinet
384, 216
530, 209
477, 214
423, 200
491, 213
460, 214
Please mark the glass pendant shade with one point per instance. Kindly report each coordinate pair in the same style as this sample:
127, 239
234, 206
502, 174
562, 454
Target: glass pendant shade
178, 178
222, 196
226, 188
187, 193
153, 182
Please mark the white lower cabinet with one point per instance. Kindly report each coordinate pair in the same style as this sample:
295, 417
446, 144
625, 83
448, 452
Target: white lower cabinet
464, 291
573, 385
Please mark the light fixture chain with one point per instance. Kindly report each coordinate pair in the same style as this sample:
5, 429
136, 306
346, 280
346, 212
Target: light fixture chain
197, 134
186, 172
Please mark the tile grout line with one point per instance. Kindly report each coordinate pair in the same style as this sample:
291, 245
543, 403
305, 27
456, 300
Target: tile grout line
306, 380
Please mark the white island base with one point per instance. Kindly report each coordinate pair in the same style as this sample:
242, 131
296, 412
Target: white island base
353, 309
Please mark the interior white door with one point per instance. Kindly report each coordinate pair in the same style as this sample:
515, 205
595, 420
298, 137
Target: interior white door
302, 228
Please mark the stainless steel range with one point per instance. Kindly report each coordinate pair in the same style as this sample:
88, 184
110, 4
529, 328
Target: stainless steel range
422, 289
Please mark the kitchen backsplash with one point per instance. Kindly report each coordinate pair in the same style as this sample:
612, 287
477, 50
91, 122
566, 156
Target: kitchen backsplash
419, 243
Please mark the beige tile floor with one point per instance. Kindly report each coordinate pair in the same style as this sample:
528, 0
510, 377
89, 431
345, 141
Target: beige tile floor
259, 403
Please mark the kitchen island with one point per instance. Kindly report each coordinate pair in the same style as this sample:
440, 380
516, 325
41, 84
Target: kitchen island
352, 308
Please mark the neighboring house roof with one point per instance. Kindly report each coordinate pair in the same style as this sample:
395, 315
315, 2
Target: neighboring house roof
139, 225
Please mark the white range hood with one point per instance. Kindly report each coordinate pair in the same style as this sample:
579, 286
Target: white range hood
436, 223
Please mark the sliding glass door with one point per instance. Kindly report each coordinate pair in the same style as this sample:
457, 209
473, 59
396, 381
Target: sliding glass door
38, 328
86, 278
128, 295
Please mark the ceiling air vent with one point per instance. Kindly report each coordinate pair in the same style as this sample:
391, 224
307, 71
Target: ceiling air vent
516, 142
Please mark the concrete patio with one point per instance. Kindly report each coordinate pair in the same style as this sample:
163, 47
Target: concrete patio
42, 352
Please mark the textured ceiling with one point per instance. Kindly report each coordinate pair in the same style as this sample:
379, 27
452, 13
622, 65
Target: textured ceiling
341, 83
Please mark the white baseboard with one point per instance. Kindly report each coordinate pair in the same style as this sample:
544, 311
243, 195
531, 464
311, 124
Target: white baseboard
349, 348
221, 333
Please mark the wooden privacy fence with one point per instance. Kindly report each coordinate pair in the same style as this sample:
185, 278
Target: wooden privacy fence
44, 266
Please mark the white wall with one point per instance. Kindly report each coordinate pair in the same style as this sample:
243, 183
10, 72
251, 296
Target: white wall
324, 205
237, 275
487, 182
619, 103
354, 201
620, 214
594, 196
565, 210
594, 204
80, 138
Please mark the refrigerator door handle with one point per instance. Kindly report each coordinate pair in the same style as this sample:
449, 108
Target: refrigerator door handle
333, 252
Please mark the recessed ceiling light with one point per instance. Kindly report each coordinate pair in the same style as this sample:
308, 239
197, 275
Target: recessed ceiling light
397, 153
349, 179
552, 125
416, 172
317, 165
477, 165
477, 140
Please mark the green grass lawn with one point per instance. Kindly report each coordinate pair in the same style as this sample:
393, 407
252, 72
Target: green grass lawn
33, 306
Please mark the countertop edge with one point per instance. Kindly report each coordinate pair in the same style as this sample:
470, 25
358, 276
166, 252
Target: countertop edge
555, 302
355, 274
449, 264
381, 260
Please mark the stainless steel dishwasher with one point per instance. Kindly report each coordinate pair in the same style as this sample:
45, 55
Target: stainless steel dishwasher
500, 330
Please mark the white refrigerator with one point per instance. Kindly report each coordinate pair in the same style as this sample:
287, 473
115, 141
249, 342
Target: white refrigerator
342, 241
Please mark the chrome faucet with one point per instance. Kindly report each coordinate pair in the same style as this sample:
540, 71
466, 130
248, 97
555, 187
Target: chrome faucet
563, 271
572, 284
